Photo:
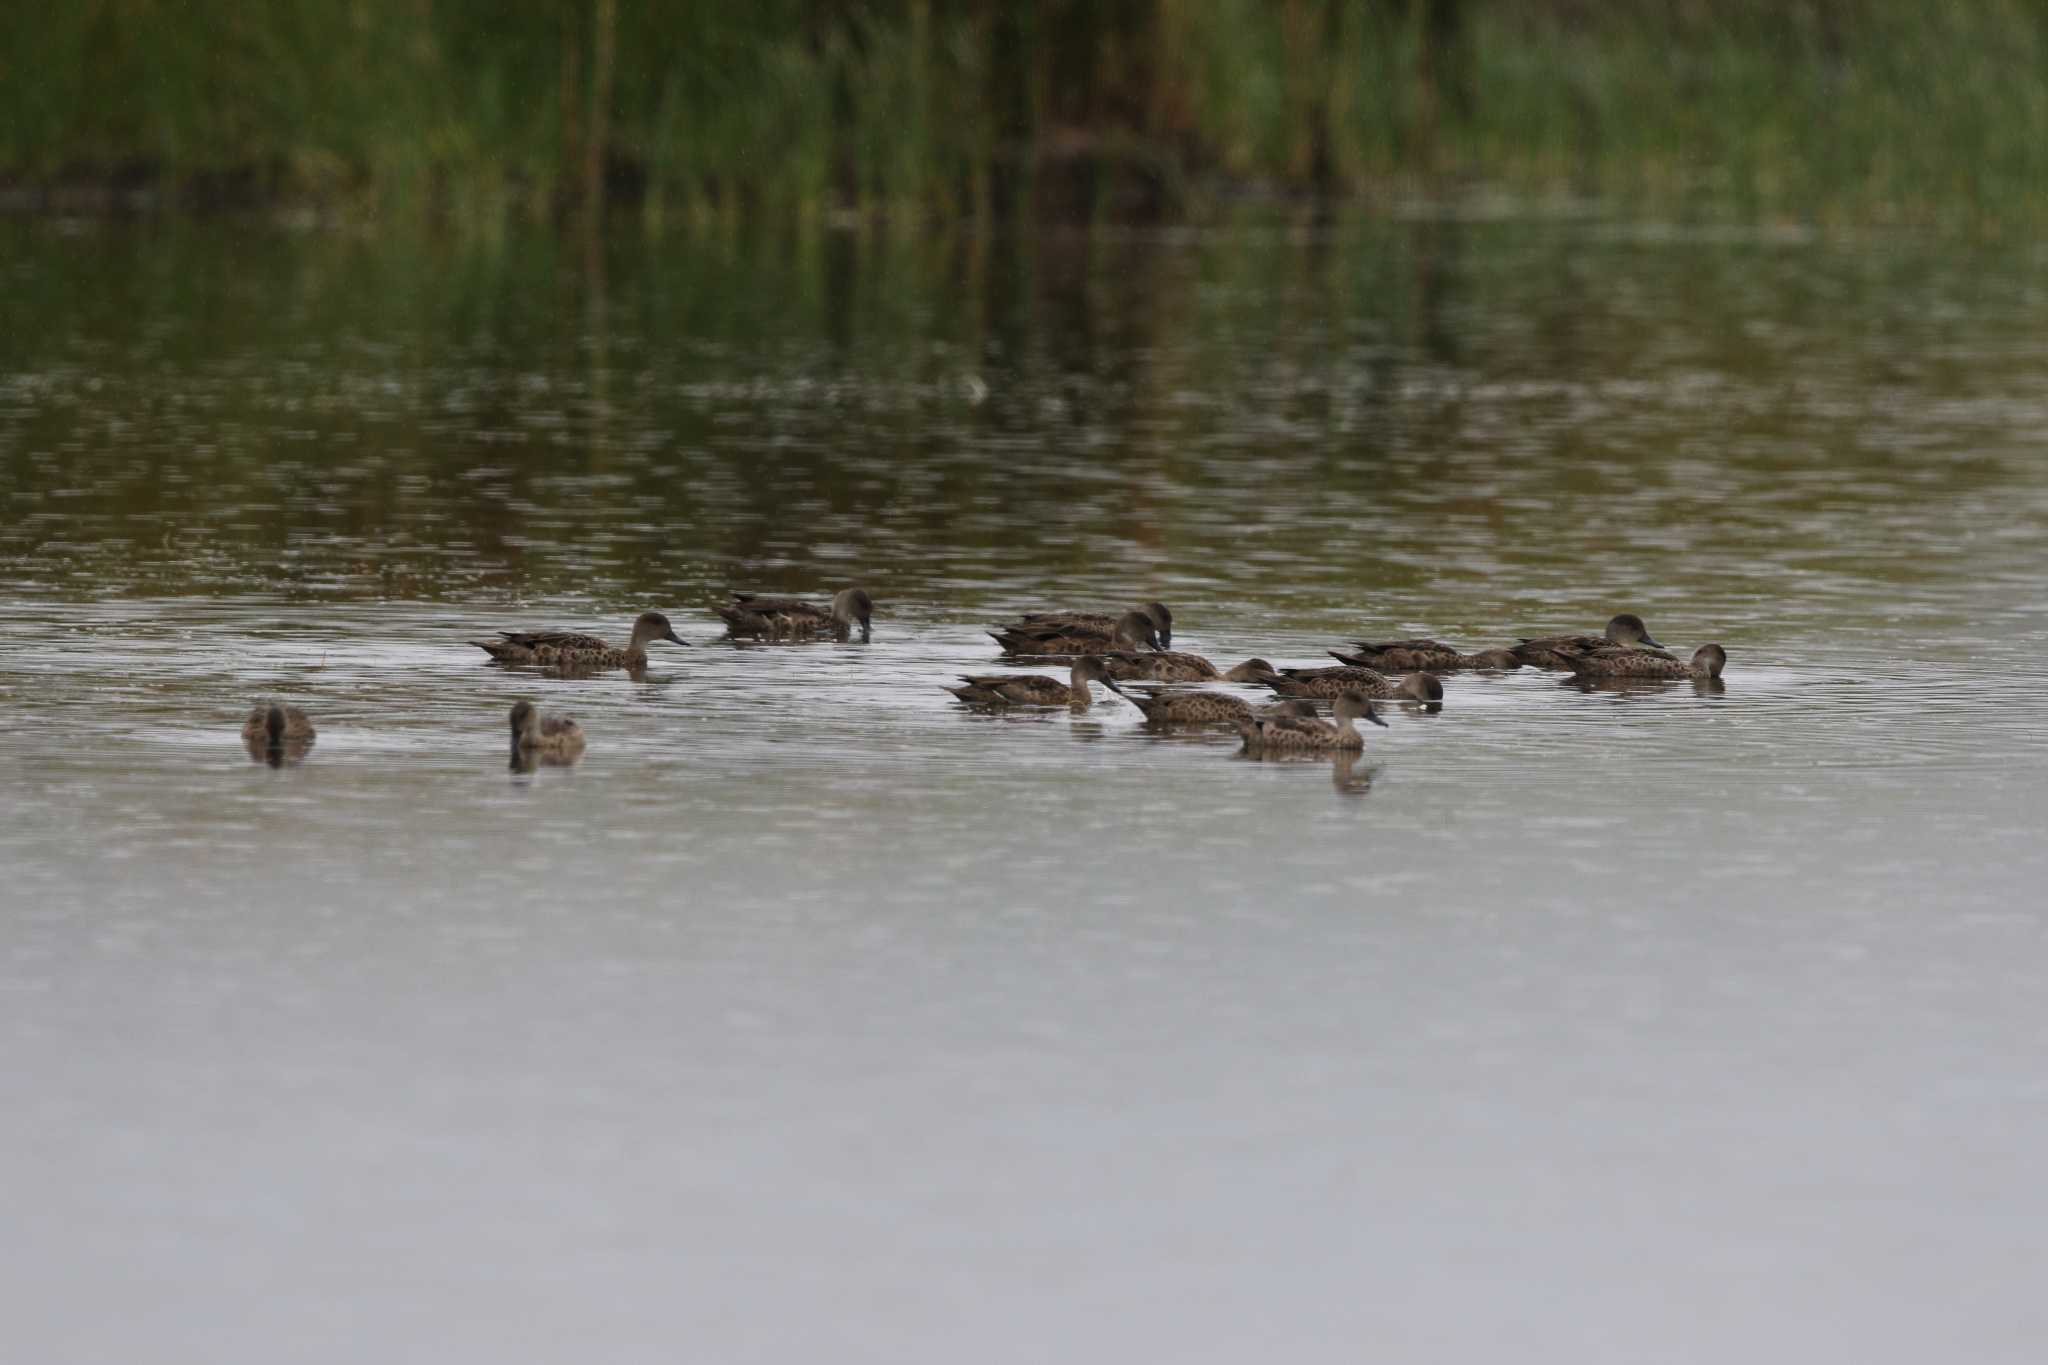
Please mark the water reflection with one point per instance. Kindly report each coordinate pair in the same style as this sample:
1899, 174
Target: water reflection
859, 938
1627, 686
526, 760
1349, 774
287, 752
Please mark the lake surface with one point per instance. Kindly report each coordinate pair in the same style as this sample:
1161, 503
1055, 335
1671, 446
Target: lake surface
814, 1016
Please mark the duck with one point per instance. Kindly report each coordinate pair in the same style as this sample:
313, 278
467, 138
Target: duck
755, 616
1172, 665
550, 738
1098, 623
1299, 733
1408, 656
1213, 708
1035, 689
1625, 631
274, 730
1611, 662
571, 650
1132, 632
1334, 682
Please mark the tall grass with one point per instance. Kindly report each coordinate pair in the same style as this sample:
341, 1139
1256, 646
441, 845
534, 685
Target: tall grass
476, 109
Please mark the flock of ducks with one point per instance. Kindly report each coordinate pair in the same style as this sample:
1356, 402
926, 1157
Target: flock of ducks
1135, 647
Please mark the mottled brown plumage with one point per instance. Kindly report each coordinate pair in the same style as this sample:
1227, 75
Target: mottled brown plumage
1133, 631
1625, 631
1212, 708
1035, 689
274, 733
1297, 733
1408, 656
1706, 663
1098, 623
1335, 682
1159, 666
792, 618
569, 649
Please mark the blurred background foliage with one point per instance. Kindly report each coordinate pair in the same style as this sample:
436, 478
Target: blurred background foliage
982, 110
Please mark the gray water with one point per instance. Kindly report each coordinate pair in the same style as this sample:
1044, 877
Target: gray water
814, 1016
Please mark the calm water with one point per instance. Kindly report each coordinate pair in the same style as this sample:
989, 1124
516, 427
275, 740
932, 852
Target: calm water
813, 1017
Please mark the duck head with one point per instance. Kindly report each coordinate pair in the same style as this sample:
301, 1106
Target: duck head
1628, 631
853, 607
651, 626
1356, 706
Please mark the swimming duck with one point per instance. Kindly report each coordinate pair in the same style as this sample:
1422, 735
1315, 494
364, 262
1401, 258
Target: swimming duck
1097, 623
1334, 682
1131, 632
794, 618
274, 731
1300, 733
555, 739
1610, 662
1625, 631
1407, 656
1213, 708
569, 649
1035, 689
1172, 665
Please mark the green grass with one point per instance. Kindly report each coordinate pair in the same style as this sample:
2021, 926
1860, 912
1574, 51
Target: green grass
1828, 110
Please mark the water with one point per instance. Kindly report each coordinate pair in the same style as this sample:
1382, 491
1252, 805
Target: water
814, 1017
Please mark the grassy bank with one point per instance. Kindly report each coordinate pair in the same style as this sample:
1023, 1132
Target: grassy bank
1862, 110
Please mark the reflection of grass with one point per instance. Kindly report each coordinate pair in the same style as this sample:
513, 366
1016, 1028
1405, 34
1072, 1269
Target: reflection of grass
1865, 109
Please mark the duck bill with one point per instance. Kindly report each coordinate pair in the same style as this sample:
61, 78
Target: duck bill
676, 639
1651, 643
1376, 718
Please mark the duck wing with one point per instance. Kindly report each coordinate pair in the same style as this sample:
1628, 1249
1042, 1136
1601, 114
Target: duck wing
1076, 622
777, 606
552, 639
1416, 646
1351, 673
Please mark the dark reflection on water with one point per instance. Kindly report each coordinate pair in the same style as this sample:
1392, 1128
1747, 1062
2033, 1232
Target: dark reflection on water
808, 976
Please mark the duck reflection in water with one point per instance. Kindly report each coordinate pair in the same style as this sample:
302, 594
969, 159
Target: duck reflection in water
543, 740
1348, 773
277, 734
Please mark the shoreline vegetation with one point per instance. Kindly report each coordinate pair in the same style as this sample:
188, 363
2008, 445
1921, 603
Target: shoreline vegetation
988, 111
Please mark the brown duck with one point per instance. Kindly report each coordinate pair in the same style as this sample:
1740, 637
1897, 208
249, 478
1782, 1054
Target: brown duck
1300, 733
1408, 656
1335, 682
568, 649
1097, 623
1610, 662
792, 618
1133, 631
274, 732
1213, 708
1172, 665
1035, 689
1625, 631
